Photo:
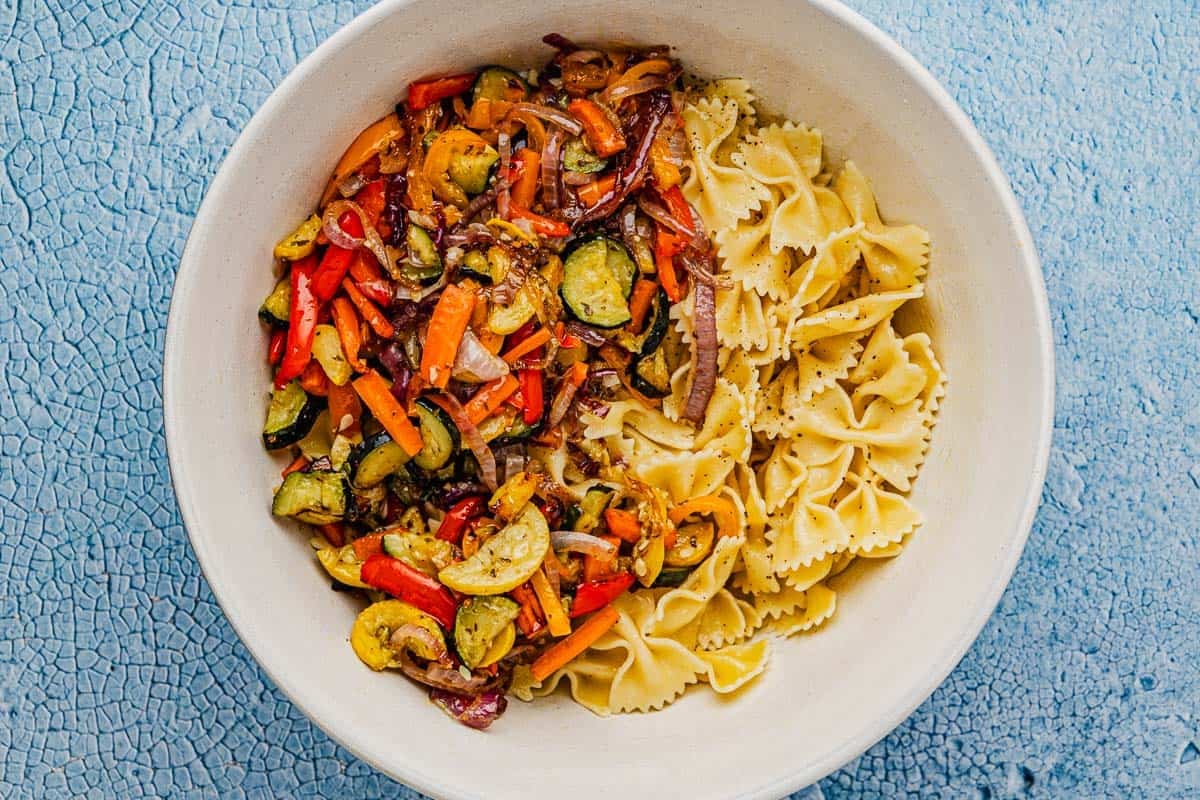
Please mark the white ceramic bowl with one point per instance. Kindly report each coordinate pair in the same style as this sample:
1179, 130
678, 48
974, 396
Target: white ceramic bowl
825, 697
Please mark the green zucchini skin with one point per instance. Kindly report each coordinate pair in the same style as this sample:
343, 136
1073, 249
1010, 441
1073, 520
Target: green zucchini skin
585, 515
650, 376
440, 434
598, 276
473, 172
672, 576
290, 416
421, 247
376, 459
577, 158
276, 309
499, 83
318, 498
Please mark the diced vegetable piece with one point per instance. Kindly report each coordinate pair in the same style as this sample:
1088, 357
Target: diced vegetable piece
300, 242
412, 586
418, 549
290, 416
506, 560
592, 193
327, 349
597, 594
577, 158
623, 524
447, 325
439, 434
480, 621
597, 280
507, 319
377, 396
499, 83
317, 498
473, 168
276, 308
556, 615
508, 500
599, 567
693, 543
584, 637
604, 137
586, 516
375, 459
342, 564
650, 375
375, 138
373, 628
422, 94
424, 264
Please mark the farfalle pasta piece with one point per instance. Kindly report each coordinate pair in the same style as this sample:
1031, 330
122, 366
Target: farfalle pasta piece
721, 194
679, 607
685, 474
746, 255
737, 90
727, 422
885, 370
814, 369
895, 255
825, 271
820, 603
875, 517
850, 317
808, 528
731, 668
787, 157
806, 575
726, 620
920, 354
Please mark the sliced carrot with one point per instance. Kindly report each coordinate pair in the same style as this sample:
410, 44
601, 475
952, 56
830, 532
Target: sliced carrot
591, 193
640, 302
595, 568
345, 319
343, 404
313, 379
447, 325
561, 653
556, 617
665, 248
301, 461
530, 618
490, 397
369, 545
525, 189
527, 345
604, 137
370, 312
377, 396
623, 524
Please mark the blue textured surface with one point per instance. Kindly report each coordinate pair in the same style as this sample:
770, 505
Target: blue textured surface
120, 677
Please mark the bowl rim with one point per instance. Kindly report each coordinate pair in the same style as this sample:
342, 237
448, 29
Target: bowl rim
885, 722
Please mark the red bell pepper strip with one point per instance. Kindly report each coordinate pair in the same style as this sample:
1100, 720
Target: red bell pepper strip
302, 323
534, 394
414, 587
371, 199
542, 225
336, 261
454, 524
666, 246
677, 204
275, 348
597, 594
377, 291
423, 94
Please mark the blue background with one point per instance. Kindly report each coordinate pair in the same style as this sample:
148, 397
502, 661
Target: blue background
120, 677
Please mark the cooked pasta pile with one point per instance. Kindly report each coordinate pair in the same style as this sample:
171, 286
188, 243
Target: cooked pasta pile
821, 415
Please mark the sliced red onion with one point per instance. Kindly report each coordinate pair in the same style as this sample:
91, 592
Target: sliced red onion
404, 292
582, 56
704, 353
477, 712
700, 268
551, 168
634, 161
585, 543
411, 632
620, 91
338, 237
513, 464
480, 202
585, 333
446, 678
474, 233
474, 439
474, 363
552, 115
662, 216
560, 42
562, 402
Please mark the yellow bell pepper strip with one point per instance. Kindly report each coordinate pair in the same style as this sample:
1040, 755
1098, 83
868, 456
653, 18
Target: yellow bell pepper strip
377, 396
422, 94
562, 652
368, 144
723, 512
603, 136
556, 616
597, 594
414, 587
448, 323
302, 322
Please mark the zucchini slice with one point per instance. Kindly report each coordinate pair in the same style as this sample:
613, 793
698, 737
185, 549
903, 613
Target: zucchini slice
597, 281
650, 375
376, 459
439, 434
499, 83
475, 265
276, 308
672, 576
585, 515
424, 264
473, 169
290, 416
317, 498
327, 350
577, 158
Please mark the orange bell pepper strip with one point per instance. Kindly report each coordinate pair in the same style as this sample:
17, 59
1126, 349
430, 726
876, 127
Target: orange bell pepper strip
723, 512
543, 225
365, 147
301, 461
623, 524
640, 303
596, 567
345, 319
556, 616
490, 397
592, 193
345, 410
369, 545
562, 652
449, 322
666, 174
377, 396
665, 249
314, 380
365, 267
370, 312
524, 191
530, 618
422, 94
600, 131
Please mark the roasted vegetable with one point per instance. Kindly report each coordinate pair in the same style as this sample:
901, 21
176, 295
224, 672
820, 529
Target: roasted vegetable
290, 416
482, 622
317, 498
506, 560
374, 634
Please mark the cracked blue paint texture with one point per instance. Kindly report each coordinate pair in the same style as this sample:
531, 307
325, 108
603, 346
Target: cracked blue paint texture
119, 677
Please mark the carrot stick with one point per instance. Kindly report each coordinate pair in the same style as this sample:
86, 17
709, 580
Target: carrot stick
599, 130
343, 403
665, 248
527, 345
446, 328
556, 617
369, 545
623, 524
591, 193
377, 396
313, 379
584, 637
301, 461
374, 317
530, 618
639, 303
525, 189
490, 397
345, 319
365, 267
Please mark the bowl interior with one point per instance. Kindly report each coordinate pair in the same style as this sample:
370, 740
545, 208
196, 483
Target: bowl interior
901, 625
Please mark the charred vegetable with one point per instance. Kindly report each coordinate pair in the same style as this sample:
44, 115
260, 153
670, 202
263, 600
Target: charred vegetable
290, 416
317, 498
483, 625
